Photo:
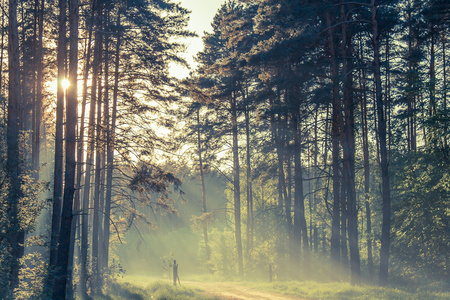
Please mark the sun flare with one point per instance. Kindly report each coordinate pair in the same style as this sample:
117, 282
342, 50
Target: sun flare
65, 83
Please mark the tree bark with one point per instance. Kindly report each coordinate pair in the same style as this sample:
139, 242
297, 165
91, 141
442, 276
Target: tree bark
349, 148
103, 137
1, 61
366, 158
58, 168
432, 72
38, 100
80, 157
96, 221
13, 162
110, 138
89, 159
386, 193
336, 112
444, 83
249, 186
202, 178
59, 291
300, 229
236, 184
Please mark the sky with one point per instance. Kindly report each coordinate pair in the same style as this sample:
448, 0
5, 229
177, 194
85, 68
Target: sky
202, 14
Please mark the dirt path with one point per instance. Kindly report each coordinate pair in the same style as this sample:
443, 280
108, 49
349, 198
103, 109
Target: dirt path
231, 290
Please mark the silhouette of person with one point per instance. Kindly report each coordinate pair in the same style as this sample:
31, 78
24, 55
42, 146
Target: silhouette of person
175, 273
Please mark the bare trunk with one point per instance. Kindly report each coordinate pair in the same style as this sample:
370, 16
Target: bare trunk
110, 138
202, 178
300, 229
349, 149
1, 60
386, 193
89, 160
236, 184
316, 186
432, 74
12, 164
38, 100
106, 121
344, 219
366, 157
58, 168
411, 95
96, 225
80, 156
59, 291
249, 187
444, 75
335, 229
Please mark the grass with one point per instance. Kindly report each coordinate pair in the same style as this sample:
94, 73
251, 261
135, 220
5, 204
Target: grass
141, 288
342, 291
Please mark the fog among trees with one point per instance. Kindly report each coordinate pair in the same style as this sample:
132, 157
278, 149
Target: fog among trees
310, 143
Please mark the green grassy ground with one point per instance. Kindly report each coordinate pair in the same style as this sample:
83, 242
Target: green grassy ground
342, 290
142, 287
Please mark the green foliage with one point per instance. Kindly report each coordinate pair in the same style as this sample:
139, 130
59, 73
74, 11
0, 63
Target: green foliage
32, 276
223, 260
30, 205
205, 220
167, 263
422, 215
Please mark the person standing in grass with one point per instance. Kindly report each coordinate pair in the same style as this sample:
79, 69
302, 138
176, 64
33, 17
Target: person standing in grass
175, 273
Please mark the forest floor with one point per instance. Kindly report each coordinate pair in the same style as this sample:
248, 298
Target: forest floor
233, 290
206, 288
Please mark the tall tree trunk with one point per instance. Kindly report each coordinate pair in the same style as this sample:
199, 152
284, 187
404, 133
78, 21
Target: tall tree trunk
411, 94
58, 168
349, 148
80, 154
202, 178
96, 222
89, 159
316, 185
13, 162
1, 60
59, 291
388, 92
282, 138
386, 193
336, 112
236, 184
249, 186
364, 127
432, 73
444, 83
38, 101
280, 161
106, 121
344, 219
110, 138
300, 229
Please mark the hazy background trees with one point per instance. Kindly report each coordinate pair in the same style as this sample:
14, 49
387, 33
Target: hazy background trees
311, 140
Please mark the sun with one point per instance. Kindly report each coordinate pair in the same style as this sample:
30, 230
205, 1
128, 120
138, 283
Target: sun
65, 83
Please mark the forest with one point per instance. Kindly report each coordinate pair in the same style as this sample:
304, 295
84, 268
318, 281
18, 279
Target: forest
310, 142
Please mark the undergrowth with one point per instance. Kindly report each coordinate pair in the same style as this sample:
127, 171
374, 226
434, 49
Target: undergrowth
158, 290
142, 287
342, 291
